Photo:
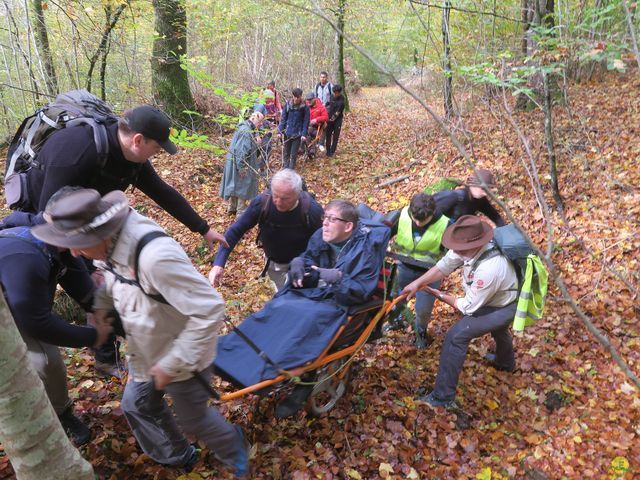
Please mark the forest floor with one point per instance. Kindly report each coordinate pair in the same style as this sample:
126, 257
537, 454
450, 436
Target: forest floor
567, 411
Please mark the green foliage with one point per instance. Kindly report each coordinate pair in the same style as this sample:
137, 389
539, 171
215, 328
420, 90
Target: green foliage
488, 74
184, 139
239, 100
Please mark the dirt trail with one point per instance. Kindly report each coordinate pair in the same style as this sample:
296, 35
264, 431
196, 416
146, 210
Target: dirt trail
566, 413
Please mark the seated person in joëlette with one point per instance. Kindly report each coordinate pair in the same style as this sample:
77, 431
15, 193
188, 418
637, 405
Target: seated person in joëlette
339, 269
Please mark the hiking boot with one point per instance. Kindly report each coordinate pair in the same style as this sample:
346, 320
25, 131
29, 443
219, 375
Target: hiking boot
75, 429
434, 401
423, 340
294, 402
395, 324
193, 459
492, 359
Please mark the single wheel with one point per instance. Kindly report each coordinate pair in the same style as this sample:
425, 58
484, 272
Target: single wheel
332, 384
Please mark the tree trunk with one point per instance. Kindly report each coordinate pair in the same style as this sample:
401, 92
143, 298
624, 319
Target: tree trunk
42, 41
29, 428
548, 134
340, 13
446, 60
169, 80
522, 100
632, 31
101, 51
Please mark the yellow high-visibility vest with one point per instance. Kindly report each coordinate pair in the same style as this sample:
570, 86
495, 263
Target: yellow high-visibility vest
532, 293
427, 249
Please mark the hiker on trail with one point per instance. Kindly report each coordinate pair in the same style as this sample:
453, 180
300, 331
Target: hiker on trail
70, 158
418, 230
470, 199
286, 217
489, 304
273, 103
318, 118
170, 314
30, 271
293, 125
323, 89
339, 269
334, 125
241, 169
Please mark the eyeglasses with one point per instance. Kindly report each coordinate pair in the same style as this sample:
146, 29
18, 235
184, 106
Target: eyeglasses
333, 219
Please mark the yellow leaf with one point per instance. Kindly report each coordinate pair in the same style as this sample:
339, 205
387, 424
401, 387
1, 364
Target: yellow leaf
190, 476
354, 474
577, 439
619, 466
484, 474
492, 404
385, 469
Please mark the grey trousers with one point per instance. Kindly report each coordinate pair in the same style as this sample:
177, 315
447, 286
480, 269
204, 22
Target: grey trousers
424, 300
157, 431
493, 320
47, 360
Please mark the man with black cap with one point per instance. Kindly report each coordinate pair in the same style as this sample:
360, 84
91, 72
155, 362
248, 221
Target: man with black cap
470, 199
171, 316
489, 304
70, 158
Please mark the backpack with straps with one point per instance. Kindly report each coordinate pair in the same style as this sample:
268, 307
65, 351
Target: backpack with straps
510, 243
143, 242
77, 107
532, 275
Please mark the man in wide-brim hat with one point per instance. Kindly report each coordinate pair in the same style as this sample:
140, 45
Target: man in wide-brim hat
489, 304
171, 316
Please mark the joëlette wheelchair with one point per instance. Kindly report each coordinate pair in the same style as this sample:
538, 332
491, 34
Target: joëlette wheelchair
330, 371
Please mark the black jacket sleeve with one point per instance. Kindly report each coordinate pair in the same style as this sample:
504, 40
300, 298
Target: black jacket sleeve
168, 198
29, 294
236, 231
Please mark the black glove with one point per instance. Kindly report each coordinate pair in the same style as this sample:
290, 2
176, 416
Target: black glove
296, 270
330, 275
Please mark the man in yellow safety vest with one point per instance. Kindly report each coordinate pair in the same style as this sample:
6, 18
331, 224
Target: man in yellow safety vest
418, 234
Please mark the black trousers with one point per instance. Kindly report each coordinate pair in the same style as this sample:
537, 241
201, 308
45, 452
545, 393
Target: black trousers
332, 135
290, 152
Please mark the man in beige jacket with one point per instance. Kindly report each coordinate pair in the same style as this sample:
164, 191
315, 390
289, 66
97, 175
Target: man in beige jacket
170, 314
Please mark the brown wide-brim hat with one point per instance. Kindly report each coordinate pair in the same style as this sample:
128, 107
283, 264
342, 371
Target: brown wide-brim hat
82, 219
467, 233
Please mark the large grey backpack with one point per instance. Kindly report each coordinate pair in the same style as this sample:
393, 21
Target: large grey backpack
68, 109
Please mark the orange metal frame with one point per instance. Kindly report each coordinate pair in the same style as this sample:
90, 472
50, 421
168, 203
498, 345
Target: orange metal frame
324, 358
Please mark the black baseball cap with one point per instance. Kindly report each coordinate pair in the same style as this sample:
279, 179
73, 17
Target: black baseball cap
153, 124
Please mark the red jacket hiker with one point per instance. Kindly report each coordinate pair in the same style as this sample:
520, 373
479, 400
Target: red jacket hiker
317, 112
